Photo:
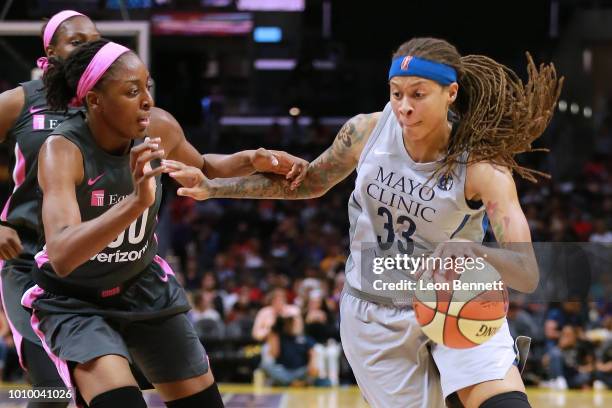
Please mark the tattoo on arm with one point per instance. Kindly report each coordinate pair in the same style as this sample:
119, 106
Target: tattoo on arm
345, 134
327, 170
498, 225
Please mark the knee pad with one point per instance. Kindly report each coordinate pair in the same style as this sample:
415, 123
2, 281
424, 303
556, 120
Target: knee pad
124, 397
512, 399
209, 398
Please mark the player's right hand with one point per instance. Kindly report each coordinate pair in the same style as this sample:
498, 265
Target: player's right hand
194, 182
10, 244
143, 175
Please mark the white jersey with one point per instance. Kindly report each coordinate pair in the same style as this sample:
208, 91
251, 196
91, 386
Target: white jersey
396, 209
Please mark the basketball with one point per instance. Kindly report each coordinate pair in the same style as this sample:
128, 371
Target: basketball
464, 312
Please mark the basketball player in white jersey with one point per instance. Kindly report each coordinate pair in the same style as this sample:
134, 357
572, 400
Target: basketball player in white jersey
434, 165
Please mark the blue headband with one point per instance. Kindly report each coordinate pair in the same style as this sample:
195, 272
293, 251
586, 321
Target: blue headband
414, 66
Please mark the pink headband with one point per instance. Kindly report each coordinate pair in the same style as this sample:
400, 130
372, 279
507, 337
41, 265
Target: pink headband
50, 30
100, 63
55, 22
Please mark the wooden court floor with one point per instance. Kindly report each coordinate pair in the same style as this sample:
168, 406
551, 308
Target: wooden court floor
247, 396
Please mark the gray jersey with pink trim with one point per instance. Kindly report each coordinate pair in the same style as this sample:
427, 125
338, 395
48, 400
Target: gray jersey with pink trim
107, 180
25, 138
397, 208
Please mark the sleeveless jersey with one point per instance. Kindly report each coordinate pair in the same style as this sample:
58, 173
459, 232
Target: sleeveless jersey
107, 180
25, 138
396, 208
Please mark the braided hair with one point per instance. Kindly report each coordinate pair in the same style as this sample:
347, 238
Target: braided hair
500, 116
62, 76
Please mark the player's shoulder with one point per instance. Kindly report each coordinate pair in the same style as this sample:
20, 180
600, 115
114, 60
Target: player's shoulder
12, 102
485, 175
160, 116
481, 169
165, 126
365, 121
59, 145
13, 95
358, 128
58, 149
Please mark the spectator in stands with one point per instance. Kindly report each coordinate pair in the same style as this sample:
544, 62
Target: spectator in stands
537, 226
581, 224
320, 325
189, 278
338, 286
520, 322
181, 216
249, 287
572, 363
603, 366
558, 316
207, 246
267, 316
203, 308
209, 286
333, 258
601, 234
293, 358
304, 287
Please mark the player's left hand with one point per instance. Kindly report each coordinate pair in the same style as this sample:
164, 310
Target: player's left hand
194, 183
278, 162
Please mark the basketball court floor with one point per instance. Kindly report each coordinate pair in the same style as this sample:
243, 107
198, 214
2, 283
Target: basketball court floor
248, 396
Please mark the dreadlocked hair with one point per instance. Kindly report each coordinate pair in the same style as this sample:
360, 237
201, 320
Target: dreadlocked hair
499, 115
62, 76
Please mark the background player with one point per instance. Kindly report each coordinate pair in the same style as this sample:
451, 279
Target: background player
25, 122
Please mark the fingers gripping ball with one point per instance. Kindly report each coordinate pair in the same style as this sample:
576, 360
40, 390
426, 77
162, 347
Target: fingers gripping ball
464, 312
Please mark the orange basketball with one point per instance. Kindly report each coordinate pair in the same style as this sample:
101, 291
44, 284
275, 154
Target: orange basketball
464, 312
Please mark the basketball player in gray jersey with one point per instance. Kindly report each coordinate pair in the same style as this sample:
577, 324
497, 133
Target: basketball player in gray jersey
422, 181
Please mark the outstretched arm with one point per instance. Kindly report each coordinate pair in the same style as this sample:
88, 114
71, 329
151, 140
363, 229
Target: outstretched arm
327, 170
243, 163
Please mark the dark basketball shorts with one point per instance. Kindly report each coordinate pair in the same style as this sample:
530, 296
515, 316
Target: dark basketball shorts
147, 324
15, 279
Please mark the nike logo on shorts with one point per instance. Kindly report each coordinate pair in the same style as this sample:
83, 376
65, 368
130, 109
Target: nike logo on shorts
93, 181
